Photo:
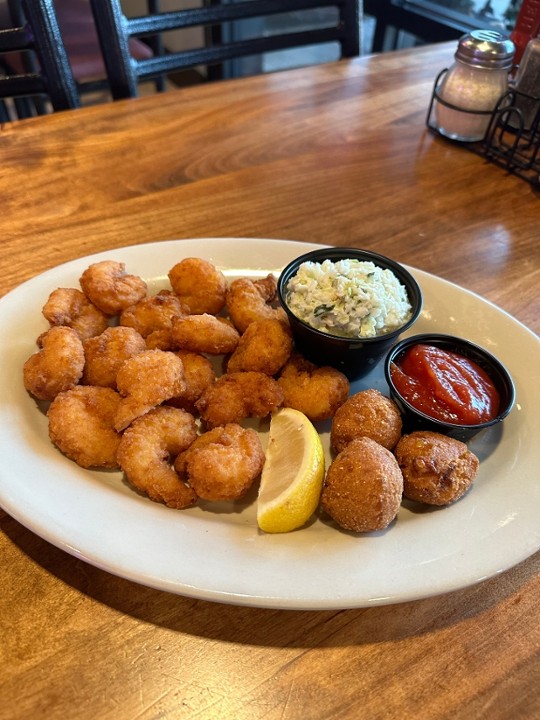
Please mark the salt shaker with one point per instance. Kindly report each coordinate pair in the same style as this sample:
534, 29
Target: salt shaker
470, 90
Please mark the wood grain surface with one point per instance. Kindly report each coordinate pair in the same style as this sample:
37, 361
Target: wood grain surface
337, 154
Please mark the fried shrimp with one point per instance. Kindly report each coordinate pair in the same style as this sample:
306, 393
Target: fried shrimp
223, 463
57, 367
368, 413
152, 318
81, 425
198, 375
110, 288
235, 396
249, 300
105, 353
147, 449
204, 334
200, 285
316, 391
71, 307
264, 347
146, 380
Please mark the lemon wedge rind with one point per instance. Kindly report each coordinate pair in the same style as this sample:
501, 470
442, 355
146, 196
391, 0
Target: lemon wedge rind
293, 474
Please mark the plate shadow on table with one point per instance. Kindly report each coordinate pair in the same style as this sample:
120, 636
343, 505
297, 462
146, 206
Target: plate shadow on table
256, 626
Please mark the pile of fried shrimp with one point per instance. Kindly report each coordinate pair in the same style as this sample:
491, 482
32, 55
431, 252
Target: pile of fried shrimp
128, 380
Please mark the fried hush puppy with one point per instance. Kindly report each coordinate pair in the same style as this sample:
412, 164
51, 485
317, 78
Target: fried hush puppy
249, 300
105, 354
437, 470
57, 367
200, 286
204, 334
146, 380
81, 425
368, 413
109, 287
223, 463
316, 391
71, 307
363, 487
235, 396
147, 449
264, 347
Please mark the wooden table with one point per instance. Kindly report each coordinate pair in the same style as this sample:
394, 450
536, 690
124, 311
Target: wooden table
336, 154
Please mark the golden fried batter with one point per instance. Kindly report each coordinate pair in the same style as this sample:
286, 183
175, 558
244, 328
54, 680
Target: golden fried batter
363, 487
152, 318
105, 353
147, 449
200, 285
368, 413
71, 307
223, 463
110, 288
58, 366
249, 300
146, 380
235, 396
81, 425
316, 391
437, 469
265, 347
198, 375
204, 334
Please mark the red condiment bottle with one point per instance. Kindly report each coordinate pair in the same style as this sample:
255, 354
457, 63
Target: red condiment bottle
527, 27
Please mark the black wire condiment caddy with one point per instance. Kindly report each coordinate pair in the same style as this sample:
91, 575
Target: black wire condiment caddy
512, 138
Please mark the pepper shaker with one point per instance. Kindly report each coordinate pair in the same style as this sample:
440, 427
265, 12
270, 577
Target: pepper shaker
527, 84
470, 90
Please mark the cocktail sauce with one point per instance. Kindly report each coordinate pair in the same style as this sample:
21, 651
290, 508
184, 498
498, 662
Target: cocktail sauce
445, 385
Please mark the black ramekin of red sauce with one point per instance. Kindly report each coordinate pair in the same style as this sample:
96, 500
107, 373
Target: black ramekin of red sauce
448, 384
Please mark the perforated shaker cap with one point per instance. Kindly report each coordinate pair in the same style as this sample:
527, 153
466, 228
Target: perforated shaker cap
486, 49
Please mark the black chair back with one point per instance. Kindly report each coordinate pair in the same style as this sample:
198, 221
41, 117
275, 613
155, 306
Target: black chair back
45, 73
115, 29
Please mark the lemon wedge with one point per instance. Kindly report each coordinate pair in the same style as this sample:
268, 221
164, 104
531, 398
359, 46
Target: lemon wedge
293, 474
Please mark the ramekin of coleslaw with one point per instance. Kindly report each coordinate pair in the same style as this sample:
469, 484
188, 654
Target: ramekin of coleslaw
347, 307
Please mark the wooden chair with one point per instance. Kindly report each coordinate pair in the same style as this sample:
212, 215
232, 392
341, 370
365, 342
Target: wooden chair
216, 17
46, 78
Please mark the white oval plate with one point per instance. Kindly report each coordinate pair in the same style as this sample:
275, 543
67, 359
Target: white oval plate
216, 552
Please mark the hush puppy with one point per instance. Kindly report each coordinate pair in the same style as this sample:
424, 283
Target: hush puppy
437, 470
363, 487
370, 414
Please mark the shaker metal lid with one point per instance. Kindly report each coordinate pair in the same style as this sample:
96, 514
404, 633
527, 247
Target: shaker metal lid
486, 49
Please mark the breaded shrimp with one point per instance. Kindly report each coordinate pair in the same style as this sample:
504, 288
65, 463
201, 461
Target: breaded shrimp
200, 285
368, 413
204, 334
249, 300
81, 425
235, 396
148, 448
152, 318
223, 463
57, 367
316, 391
105, 353
146, 380
198, 375
110, 288
71, 307
264, 347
